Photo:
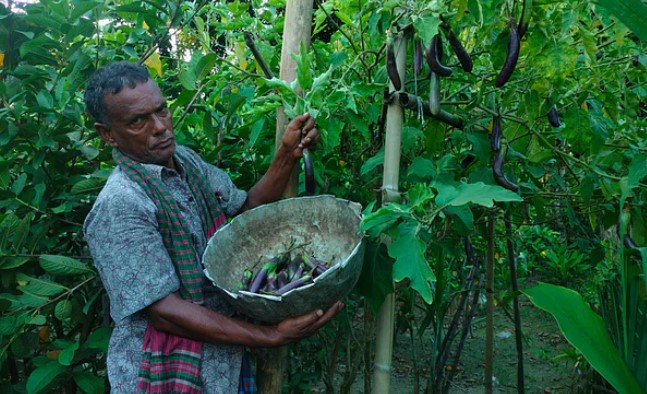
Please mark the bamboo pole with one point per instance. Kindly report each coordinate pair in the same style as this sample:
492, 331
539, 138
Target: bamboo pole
271, 364
392, 142
297, 28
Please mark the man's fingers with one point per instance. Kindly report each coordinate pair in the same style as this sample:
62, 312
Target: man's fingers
308, 126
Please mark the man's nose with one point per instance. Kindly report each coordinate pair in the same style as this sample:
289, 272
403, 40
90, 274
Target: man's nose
159, 125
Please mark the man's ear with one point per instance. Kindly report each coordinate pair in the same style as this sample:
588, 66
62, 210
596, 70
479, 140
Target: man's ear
105, 132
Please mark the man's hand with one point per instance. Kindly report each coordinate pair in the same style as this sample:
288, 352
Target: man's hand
303, 326
301, 133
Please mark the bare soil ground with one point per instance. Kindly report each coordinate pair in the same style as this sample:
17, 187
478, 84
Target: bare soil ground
549, 366
546, 367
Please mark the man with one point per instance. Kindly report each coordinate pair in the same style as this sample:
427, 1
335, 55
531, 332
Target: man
147, 231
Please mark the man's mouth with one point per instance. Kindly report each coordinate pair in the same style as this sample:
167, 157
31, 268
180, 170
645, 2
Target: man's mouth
164, 144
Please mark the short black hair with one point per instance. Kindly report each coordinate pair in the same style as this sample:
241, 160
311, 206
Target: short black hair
111, 79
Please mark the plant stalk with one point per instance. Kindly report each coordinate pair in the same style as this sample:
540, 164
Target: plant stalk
489, 305
515, 302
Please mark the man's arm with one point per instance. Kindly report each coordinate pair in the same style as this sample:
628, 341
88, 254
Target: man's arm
300, 134
179, 317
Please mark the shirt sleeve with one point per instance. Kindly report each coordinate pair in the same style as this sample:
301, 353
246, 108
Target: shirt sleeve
128, 251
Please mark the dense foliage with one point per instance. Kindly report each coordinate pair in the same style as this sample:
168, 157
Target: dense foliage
581, 184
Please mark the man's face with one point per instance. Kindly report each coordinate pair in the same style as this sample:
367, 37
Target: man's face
141, 125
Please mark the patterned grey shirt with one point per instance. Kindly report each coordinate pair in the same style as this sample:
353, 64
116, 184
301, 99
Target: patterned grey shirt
136, 270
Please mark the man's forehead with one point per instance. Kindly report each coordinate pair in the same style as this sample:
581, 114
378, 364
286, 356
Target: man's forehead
143, 93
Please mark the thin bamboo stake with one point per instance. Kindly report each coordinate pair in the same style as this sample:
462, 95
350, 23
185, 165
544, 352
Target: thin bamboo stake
392, 142
515, 302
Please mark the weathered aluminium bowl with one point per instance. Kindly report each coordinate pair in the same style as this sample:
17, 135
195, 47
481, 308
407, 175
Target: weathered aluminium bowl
329, 229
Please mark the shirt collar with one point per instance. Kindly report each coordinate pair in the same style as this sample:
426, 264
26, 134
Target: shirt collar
165, 172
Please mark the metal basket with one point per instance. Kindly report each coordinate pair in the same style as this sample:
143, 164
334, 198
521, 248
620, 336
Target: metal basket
326, 225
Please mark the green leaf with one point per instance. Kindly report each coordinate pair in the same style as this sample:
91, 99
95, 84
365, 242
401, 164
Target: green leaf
421, 170
88, 185
66, 356
204, 66
62, 265
38, 320
42, 376
320, 83
376, 279
31, 300
13, 262
11, 324
99, 339
45, 99
464, 216
37, 286
21, 231
372, 163
637, 170
383, 219
473, 193
282, 86
63, 310
19, 184
38, 46
304, 75
82, 7
89, 383
586, 331
408, 250
633, 13
426, 27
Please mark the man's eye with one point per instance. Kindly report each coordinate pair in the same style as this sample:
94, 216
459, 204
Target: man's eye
138, 121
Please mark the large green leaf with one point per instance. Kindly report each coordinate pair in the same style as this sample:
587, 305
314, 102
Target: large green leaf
63, 265
88, 185
66, 356
89, 383
382, 220
408, 250
42, 376
633, 13
98, 339
586, 331
11, 324
39, 286
376, 280
472, 193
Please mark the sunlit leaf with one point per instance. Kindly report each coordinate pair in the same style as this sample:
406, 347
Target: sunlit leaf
155, 62
473, 193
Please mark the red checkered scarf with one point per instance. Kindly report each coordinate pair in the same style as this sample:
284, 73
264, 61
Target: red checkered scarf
171, 364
